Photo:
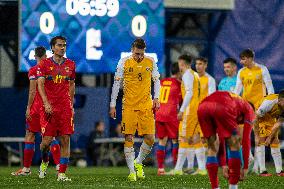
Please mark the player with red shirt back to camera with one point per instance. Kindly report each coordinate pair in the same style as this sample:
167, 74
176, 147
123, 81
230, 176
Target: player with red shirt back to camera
167, 123
56, 84
33, 119
219, 116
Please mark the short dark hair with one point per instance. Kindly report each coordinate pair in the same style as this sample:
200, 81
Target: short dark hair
248, 53
139, 43
202, 59
40, 51
230, 60
186, 58
281, 94
174, 68
53, 40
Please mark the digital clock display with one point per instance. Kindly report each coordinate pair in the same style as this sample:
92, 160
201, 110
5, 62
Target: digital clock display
98, 32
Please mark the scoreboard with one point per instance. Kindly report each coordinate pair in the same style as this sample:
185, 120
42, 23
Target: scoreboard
98, 32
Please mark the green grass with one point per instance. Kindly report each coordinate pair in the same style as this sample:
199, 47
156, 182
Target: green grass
116, 178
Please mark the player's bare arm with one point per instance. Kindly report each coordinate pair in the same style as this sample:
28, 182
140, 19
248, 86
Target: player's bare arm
72, 91
32, 92
41, 90
274, 130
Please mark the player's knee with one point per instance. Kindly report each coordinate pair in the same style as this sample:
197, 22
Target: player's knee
234, 142
163, 141
149, 139
128, 141
30, 136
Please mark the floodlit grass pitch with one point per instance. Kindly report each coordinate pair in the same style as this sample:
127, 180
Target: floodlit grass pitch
115, 177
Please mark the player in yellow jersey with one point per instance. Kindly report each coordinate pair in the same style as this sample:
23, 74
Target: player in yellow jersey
188, 110
136, 73
253, 78
255, 82
269, 118
207, 87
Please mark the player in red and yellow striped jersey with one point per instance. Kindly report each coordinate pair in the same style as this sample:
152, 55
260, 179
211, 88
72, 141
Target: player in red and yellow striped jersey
270, 117
136, 72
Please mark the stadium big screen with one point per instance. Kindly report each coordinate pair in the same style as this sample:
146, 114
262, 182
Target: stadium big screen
98, 32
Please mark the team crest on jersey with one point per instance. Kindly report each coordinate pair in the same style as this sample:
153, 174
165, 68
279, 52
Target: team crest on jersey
148, 69
67, 69
257, 76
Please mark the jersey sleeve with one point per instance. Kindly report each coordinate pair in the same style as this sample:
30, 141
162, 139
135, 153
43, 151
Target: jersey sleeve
265, 107
118, 77
239, 84
73, 74
211, 85
41, 72
267, 80
156, 80
187, 79
32, 74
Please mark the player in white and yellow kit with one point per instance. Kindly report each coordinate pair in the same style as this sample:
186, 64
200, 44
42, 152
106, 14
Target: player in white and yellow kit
196, 147
188, 110
269, 118
254, 79
136, 73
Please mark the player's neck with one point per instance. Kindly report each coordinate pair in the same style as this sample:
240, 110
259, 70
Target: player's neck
200, 74
58, 59
232, 75
251, 65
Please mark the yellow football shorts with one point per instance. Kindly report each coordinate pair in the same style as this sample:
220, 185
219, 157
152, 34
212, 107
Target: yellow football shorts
140, 120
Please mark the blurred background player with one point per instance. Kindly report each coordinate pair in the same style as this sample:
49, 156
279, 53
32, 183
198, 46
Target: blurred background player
56, 85
33, 118
219, 116
207, 87
253, 80
136, 72
188, 111
166, 117
230, 68
269, 118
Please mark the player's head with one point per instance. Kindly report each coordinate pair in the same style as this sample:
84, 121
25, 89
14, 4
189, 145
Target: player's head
138, 49
40, 53
58, 45
184, 62
100, 126
175, 69
246, 57
230, 66
201, 65
281, 99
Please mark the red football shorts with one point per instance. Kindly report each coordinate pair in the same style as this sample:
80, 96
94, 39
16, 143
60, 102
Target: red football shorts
217, 118
167, 129
33, 124
58, 123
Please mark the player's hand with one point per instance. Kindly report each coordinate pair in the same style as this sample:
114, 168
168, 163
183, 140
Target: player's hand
156, 104
47, 108
244, 173
225, 171
180, 116
28, 117
112, 112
